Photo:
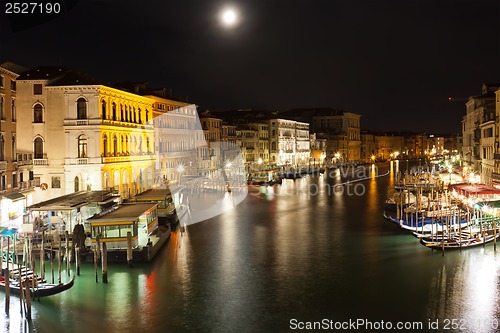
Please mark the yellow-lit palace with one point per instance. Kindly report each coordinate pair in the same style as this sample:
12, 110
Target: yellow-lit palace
78, 134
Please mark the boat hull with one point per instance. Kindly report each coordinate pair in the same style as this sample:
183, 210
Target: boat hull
43, 289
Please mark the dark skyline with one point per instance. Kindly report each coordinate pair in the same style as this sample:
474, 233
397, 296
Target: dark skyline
395, 63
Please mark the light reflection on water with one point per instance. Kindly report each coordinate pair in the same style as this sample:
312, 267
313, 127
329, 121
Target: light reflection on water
283, 253
466, 288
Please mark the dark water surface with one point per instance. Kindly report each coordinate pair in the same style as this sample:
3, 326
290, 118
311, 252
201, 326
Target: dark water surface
300, 251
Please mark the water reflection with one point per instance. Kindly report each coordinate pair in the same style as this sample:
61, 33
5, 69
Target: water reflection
282, 253
466, 288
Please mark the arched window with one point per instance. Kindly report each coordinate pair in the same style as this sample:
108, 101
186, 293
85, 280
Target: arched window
147, 145
82, 146
122, 146
103, 109
121, 112
38, 147
115, 145
38, 113
114, 111
139, 111
135, 116
105, 145
81, 108
129, 118
147, 115
77, 184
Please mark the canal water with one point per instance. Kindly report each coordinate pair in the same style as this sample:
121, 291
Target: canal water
287, 256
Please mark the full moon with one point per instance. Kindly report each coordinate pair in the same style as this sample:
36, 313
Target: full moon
229, 17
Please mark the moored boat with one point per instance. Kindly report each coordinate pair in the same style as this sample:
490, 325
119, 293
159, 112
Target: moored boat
41, 289
460, 241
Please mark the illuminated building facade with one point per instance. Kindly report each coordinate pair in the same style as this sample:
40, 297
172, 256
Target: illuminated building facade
81, 135
16, 180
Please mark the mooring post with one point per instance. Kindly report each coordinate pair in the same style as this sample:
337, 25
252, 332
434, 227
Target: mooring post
129, 248
104, 263
42, 257
28, 299
7, 280
77, 260
59, 260
66, 256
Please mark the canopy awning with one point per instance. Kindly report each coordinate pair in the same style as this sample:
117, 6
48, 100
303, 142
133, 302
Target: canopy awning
14, 196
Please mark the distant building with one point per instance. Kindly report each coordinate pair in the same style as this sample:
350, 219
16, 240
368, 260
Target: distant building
289, 141
368, 147
389, 146
479, 130
212, 153
340, 129
435, 144
318, 150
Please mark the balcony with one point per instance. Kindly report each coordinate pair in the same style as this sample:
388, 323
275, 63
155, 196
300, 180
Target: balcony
40, 161
82, 161
126, 159
109, 122
27, 185
24, 159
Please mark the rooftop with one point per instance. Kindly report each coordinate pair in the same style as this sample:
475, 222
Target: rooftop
73, 200
124, 213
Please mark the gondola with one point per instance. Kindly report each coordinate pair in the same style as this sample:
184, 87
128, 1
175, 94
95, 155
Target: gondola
456, 242
41, 290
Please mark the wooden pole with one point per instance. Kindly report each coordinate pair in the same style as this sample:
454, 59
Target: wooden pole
66, 256
28, 299
20, 288
7, 280
104, 263
52, 258
77, 260
42, 257
98, 248
95, 263
129, 248
59, 260
494, 234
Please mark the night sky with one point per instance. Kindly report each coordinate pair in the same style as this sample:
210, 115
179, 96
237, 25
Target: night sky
394, 62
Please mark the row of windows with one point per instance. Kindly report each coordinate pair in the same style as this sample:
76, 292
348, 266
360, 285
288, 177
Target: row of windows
127, 113
126, 145
17, 179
